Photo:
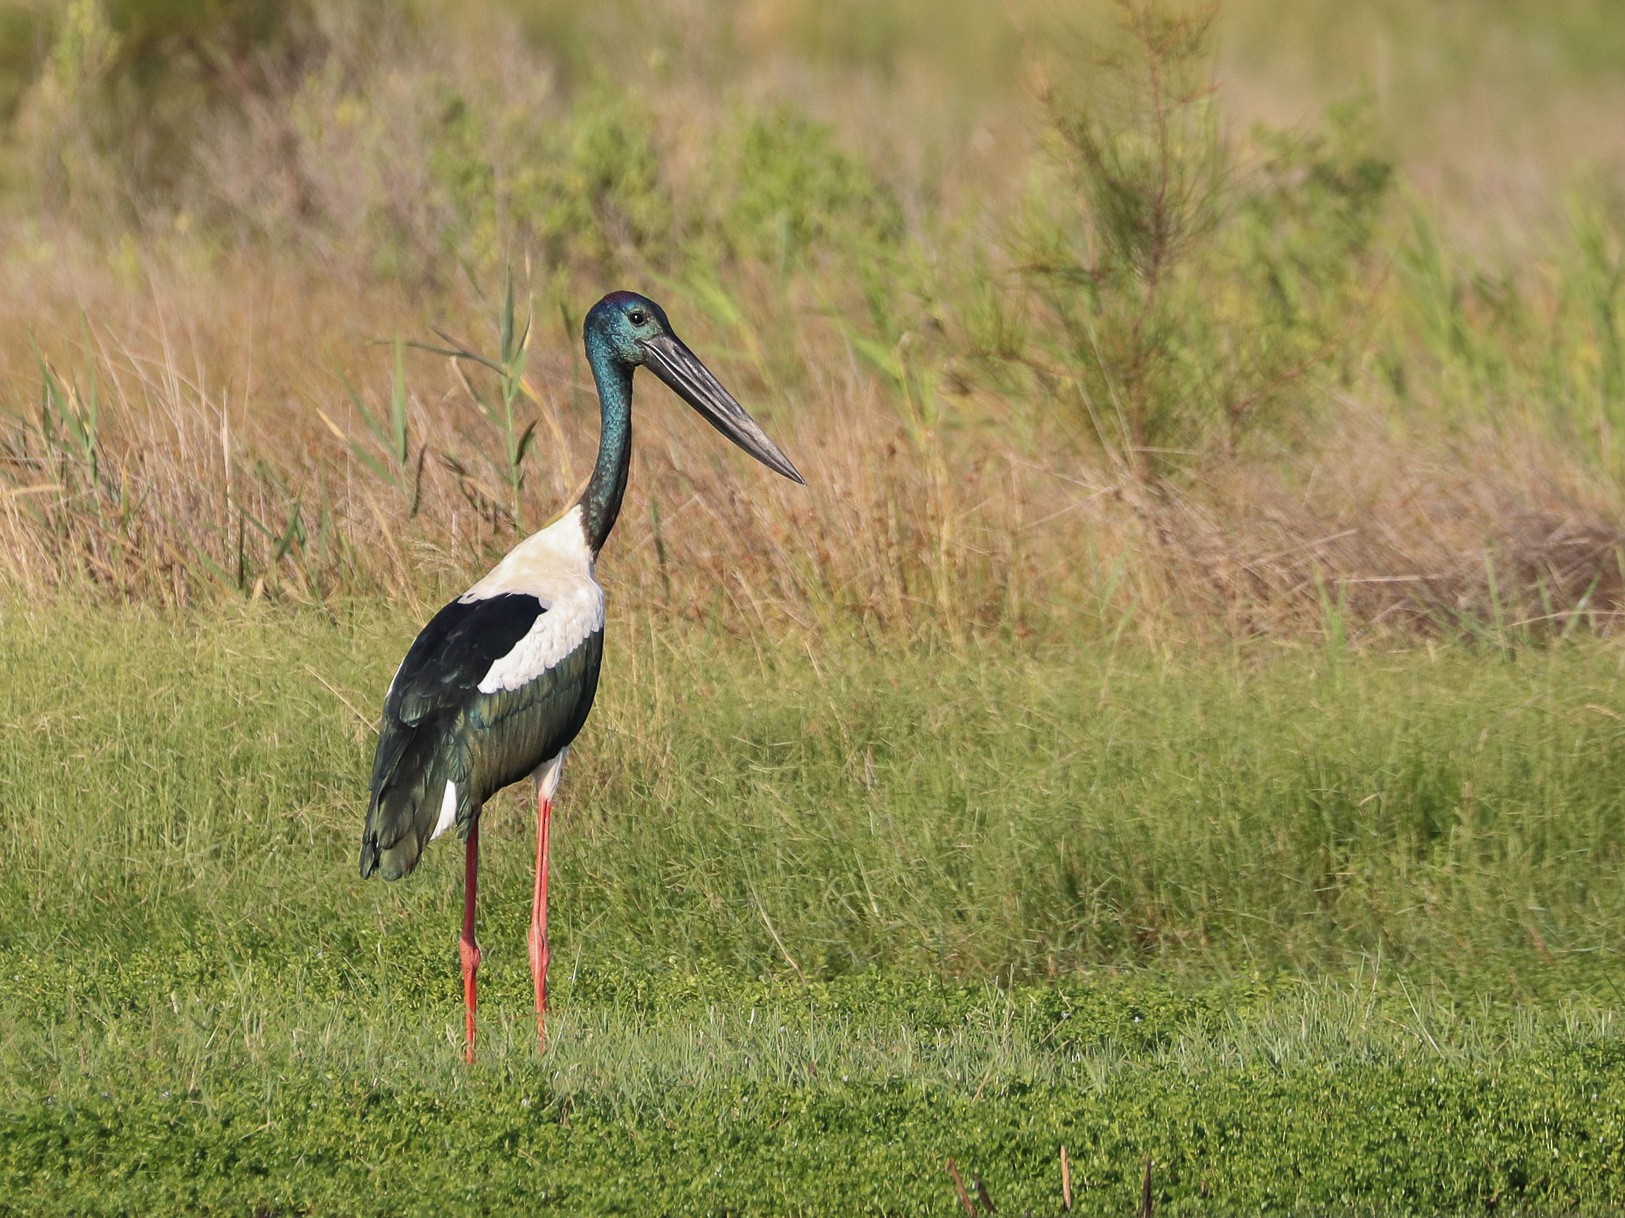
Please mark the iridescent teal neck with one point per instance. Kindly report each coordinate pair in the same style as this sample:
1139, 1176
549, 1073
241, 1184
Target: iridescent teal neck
601, 502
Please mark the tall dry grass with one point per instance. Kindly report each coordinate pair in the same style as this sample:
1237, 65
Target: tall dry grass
200, 393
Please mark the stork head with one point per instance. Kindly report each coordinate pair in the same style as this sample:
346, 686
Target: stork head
633, 330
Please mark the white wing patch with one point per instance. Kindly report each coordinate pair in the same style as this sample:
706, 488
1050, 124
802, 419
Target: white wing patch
448, 811
568, 622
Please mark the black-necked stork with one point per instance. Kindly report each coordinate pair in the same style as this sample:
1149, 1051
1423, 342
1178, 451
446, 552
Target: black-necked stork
499, 682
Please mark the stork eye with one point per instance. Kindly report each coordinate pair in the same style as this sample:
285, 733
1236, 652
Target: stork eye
637, 317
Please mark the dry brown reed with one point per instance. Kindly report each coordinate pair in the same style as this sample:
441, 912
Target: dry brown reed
185, 394
1483, 534
217, 422
226, 464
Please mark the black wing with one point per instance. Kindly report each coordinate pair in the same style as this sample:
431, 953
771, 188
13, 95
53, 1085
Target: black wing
438, 727
452, 654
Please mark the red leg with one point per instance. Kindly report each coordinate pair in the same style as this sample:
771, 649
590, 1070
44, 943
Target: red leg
538, 917
467, 948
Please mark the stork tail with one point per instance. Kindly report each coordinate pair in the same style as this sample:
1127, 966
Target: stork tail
409, 795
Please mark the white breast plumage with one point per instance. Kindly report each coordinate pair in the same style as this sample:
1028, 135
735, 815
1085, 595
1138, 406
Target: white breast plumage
556, 567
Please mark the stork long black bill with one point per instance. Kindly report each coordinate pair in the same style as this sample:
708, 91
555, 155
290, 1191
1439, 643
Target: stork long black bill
669, 358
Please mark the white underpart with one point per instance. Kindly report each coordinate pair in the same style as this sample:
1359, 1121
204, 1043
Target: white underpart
547, 774
554, 566
448, 811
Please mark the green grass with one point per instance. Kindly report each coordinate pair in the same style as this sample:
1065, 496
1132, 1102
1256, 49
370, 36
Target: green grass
1312, 930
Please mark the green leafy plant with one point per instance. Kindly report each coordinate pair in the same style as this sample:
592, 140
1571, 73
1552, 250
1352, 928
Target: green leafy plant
390, 434
1172, 296
517, 435
68, 420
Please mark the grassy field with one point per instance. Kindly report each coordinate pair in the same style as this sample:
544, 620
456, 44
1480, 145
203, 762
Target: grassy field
1179, 721
1308, 932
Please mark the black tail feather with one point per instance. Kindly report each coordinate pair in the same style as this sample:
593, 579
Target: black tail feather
409, 774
